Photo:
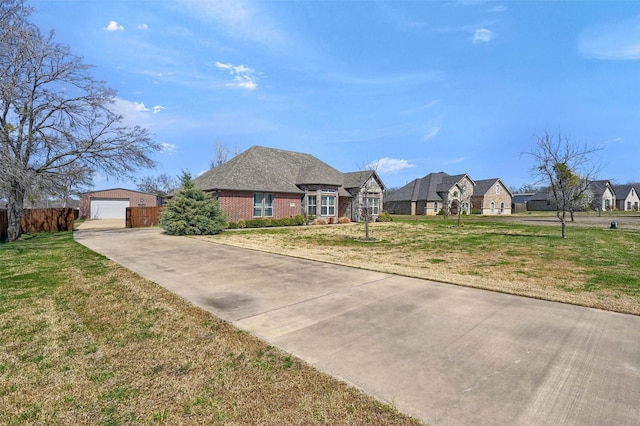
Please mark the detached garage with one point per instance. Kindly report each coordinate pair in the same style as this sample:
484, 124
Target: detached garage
112, 203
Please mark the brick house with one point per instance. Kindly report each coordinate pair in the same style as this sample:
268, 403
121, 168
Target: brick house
431, 194
272, 183
491, 197
112, 203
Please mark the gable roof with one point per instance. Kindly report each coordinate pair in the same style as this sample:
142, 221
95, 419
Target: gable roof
623, 191
269, 170
358, 179
598, 187
485, 185
428, 188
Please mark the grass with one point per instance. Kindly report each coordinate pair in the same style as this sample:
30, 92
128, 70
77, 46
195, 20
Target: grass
594, 266
84, 341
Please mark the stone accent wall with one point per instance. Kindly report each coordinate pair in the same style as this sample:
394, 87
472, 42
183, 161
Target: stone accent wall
481, 203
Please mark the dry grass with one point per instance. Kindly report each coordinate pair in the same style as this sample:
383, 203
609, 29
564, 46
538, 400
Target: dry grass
84, 341
524, 260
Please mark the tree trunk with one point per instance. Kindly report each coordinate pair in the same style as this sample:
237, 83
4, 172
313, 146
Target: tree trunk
15, 212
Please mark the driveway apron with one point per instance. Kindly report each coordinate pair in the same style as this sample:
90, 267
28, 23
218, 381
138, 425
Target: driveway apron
445, 354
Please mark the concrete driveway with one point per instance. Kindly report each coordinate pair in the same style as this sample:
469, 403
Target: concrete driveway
448, 355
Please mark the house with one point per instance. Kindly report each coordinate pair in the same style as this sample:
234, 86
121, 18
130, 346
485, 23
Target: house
602, 194
490, 197
604, 197
366, 189
541, 201
627, 197
431, 194
519, 202
112, 203
272, 183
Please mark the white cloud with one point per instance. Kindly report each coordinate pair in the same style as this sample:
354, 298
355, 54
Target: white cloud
142, 27
483, 35
243, 77
157, 109
618, 41
167, 148
139, 106
431, 133
389, 165
114, 26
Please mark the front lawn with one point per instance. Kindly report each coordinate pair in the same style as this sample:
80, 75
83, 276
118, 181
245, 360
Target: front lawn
85, 341
595, 266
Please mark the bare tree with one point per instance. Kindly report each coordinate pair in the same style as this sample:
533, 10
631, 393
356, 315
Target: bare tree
222, 154
161, 185
53, 115
566, 168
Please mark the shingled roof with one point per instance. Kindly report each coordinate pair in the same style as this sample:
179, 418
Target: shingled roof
427, 188
269, 170
357, 179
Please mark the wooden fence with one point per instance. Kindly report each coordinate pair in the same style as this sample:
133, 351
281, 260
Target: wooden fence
140, 217
40, 220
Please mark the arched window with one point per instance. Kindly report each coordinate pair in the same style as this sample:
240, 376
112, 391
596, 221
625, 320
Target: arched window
497, 189
502, 207
493, 207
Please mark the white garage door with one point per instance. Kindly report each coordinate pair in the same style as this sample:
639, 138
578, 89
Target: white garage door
109, 209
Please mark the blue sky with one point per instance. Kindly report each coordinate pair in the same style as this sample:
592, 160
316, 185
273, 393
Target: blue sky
413, 87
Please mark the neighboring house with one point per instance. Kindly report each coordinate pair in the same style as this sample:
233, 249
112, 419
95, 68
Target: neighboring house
431, 194
601, 191
604, 197
112, 203
541, 201
272, 183
627, 198
519, 202
490, 197
366, 189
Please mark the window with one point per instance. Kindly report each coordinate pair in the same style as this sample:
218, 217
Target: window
493, 207
628, 205
373, 205
257, 204
497, 189
268, 205
435, 206
502, 207
311, 207
328, 205
262, 204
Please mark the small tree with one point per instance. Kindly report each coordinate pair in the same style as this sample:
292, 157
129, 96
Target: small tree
567, 169
192, 211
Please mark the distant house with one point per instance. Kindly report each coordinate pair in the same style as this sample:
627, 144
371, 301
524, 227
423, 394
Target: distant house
627, 197
431, 194
602, 193
113, 203
541, 201
604, 197
519, 202
490, 197
264, 182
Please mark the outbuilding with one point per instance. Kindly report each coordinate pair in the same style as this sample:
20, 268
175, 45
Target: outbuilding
113, 203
